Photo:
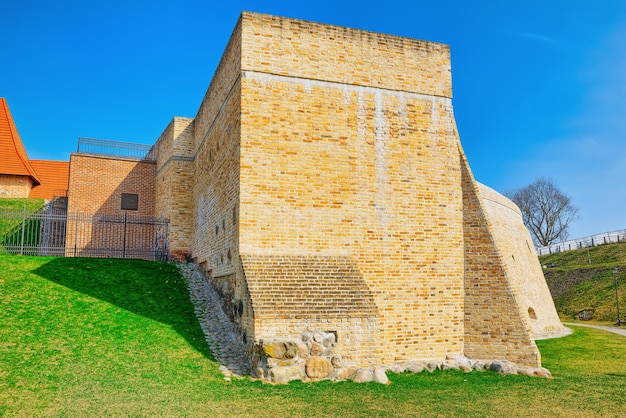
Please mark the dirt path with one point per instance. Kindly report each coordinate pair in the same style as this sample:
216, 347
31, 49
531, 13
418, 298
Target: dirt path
615, 330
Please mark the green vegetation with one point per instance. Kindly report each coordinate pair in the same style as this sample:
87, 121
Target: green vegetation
576, 284
99, 337
11, 226
32, 205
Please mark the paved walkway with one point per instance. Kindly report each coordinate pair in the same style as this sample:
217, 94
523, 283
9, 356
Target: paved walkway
219, 332
615, 330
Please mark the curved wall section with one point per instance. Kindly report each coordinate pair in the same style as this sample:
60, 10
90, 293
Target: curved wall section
521, 265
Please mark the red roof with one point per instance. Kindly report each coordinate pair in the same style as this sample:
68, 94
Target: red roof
13, 157
54, 176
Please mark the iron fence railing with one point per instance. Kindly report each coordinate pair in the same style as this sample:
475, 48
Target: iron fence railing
116, 149
590, 241
55, 232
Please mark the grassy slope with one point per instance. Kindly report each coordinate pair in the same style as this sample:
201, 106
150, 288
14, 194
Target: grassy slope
32, 205
577, 284
90, 337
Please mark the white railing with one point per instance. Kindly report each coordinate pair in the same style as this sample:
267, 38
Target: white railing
590, 241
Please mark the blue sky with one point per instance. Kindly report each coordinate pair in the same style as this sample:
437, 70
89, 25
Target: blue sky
539, 86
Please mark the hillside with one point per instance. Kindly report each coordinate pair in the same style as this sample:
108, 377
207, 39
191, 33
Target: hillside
583, 280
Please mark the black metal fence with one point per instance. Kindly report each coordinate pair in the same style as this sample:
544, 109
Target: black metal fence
590, 241
55, 232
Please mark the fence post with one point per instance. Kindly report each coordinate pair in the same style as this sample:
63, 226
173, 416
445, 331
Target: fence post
75, 233
124, 241
23, 228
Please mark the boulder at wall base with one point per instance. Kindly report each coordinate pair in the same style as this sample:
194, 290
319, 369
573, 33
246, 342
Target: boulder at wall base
280, 349
318, 367
496, 366
380, 376
346, 373
543, 372
364, 375
286, 374
505, 367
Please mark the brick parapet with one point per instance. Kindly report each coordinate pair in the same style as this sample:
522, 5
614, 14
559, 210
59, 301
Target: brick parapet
315, 51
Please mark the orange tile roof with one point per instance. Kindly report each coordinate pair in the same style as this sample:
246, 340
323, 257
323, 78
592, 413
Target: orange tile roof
54, 177
13, 157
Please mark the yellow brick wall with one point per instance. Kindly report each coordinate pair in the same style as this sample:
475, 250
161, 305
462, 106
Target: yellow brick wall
174, 182
520, 262
15, 186
314, 51
366, 173
328, 142
336, 161
495, 328
216, 191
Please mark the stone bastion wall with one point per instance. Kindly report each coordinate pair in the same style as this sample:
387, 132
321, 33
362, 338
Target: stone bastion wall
323, 189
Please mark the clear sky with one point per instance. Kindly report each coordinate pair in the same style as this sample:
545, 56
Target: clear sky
539, 85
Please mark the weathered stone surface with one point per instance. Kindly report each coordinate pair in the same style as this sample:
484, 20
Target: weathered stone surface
526, 371
346, 373
415, 367
280, 349
496, 366
303, 350
329, 341
286, 374
336, 361
318, 367
508, 367
306, 337
449, 365
317, 349
380, 376
543, 372
481, 365
397, 368
364, 375
432, 366
465, 368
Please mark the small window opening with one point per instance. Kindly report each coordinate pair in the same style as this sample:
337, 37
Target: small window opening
531, 313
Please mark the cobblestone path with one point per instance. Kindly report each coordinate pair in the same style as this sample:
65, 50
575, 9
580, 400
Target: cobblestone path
219, 332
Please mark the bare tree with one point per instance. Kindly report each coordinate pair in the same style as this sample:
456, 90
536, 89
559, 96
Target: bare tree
546, 211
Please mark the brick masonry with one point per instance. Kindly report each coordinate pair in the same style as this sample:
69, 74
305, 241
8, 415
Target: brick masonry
322, 186
96, 184
12, 186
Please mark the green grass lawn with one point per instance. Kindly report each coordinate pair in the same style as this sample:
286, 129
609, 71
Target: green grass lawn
97, 337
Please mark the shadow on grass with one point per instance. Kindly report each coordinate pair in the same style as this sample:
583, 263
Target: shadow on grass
151, 289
